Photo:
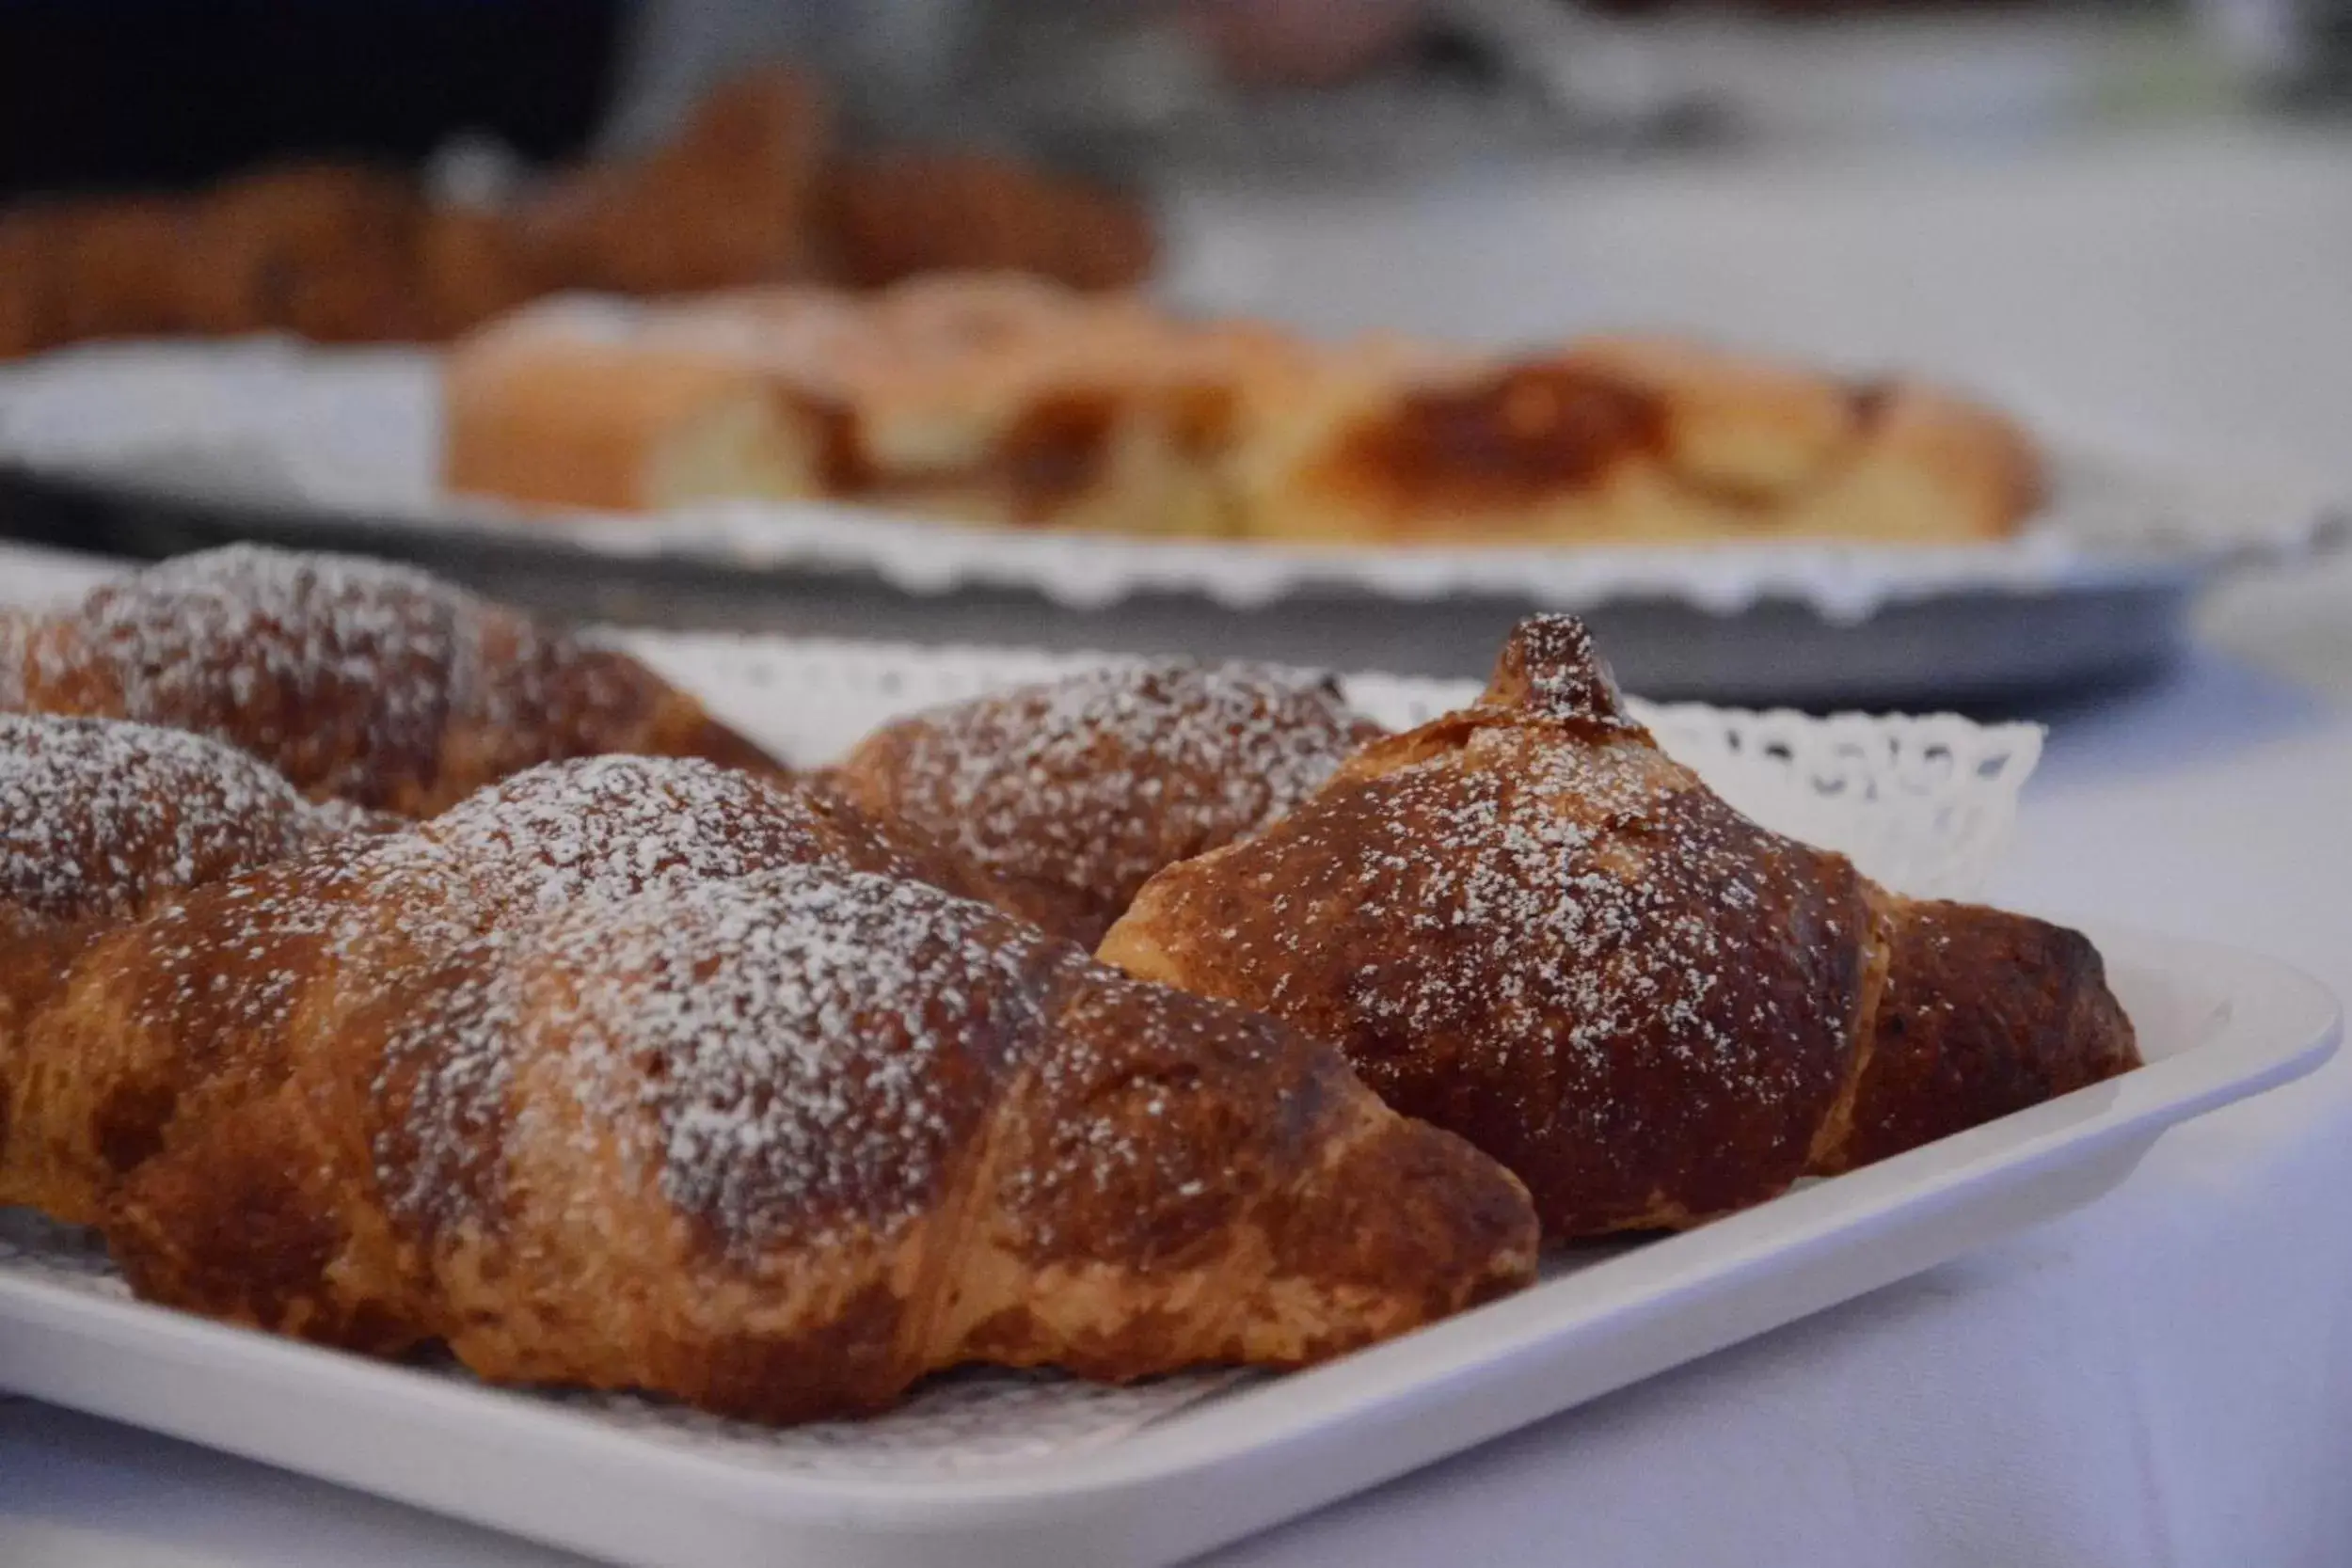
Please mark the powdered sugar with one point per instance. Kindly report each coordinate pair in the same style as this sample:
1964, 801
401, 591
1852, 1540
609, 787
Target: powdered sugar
1564, 672
797, 1050
97, 817
603, 829
1557, 920
409, 909
775, 1043
358, 679
268, 650
1094, 781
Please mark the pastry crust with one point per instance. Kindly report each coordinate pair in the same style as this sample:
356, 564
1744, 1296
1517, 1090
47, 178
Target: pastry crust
357, 680
748, 192
997, 399
554, 409
1060, 800
1524, 923
1009, 401
639, 1073
1626, 441
730, 201
101, 823
900, 215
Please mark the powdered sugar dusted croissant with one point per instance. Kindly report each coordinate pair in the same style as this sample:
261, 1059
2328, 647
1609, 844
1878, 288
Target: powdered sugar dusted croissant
98, 818
1525, 923
641, 1073
357, 680
1063, 797
101, 822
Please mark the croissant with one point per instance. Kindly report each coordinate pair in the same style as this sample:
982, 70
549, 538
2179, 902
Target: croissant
357, 680
1526, 923
644, 1073
1063, 797
99, 821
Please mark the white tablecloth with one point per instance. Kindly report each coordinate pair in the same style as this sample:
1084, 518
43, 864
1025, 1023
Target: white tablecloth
2163, 1379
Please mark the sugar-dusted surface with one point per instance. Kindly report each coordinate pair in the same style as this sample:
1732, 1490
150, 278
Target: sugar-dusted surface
358, 679
1528, 924
1511, 882
1087, 784
1923, 804
98, 817
599, 829
260, 647
565, 839
779, 1052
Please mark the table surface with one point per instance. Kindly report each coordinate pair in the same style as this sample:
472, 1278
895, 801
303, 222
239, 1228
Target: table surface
2165, 1377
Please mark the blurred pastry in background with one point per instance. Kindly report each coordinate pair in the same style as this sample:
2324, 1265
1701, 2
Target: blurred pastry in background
748, 192
991, 398
473, 263
1009, 401
1622, 439
1302, 42
895, 215
321, 249
728, 202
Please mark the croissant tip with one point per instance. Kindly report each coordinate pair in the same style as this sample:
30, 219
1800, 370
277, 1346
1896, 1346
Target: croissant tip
1550, 665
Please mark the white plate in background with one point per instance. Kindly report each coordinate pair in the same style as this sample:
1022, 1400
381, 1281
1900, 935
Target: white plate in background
339, 447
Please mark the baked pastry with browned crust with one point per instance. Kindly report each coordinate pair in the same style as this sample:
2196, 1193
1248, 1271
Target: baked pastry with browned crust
1525, 923
1063, 797
325, 250
546, 839
747, 192
641, 1073
986, 398
357, 680
729, 201
1007, 401
98, 819
572, 403
898, 215
1619, 440
102, 822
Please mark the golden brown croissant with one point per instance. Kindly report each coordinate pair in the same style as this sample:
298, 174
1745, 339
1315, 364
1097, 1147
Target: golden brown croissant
1070, 793
642, 1074
1526, 923
357, 680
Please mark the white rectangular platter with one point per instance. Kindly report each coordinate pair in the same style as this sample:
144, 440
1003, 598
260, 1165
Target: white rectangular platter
1024, 1470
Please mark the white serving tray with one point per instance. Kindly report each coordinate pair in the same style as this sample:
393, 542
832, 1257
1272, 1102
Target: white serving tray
2216, 1024
999, 1468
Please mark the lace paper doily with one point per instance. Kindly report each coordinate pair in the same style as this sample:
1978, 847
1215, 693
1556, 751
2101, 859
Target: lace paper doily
1922, 804
356, 433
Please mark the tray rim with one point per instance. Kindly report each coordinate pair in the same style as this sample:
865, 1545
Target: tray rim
805, 538
2275, 1024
